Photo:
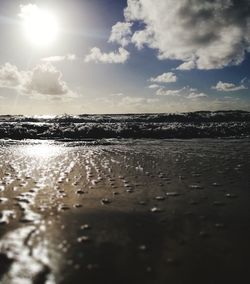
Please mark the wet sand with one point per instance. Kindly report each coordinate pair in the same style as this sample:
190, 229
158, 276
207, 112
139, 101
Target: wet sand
142, 211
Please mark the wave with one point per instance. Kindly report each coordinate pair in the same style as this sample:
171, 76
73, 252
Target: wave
203, 124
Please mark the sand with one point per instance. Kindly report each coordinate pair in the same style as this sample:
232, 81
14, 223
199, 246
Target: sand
138, 211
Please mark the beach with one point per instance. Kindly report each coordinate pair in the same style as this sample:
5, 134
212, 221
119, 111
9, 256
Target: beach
127, 211
124, 142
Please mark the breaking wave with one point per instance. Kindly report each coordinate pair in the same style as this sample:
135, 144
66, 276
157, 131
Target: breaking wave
203, 124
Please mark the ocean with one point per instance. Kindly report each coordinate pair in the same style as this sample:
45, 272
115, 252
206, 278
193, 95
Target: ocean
220, 124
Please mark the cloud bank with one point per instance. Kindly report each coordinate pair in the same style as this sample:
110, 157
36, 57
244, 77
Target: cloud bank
203, 34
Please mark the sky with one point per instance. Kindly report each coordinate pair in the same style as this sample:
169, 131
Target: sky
124, 56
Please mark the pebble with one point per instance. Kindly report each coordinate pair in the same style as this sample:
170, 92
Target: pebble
142, 248
80, 192
63, 207
173, 193
230, 195
155, 210
3, 200
83, 239
85, 227
216, 184
195, 186
78, 205
160, 198
105, 201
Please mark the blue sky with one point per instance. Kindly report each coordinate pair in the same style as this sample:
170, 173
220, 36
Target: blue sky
110, 56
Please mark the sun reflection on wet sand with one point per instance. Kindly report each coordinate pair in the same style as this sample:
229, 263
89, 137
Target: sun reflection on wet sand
42, 150
36, 167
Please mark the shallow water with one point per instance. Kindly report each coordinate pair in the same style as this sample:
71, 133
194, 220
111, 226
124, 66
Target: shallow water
152, 211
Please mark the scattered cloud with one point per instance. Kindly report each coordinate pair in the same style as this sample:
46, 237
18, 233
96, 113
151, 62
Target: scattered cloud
228, 87
127, 104
154, 86
97, 56
185, 92
58, 58
117, 95
244, 80
166, 92
121, 33
194, 95
44, 79
10, 77
203, 34
169, 77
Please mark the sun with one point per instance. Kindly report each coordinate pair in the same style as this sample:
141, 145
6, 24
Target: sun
40, 25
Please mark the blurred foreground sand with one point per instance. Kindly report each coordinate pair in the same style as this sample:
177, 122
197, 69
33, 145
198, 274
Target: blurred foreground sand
133, 212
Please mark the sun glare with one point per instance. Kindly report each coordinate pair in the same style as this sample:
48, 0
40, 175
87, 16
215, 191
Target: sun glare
42, 150
40, 25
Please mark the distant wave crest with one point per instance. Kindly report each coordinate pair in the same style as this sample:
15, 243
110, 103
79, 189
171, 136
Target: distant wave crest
203, 124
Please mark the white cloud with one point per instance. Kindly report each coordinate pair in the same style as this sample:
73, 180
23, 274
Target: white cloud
169, 77
187, 65
47, 80
58, 58
44, 79
121, 33
139, 38
154, 86
185, 92
228, 87
10, 77
203, 34
166, 92
194, 95
97, 56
